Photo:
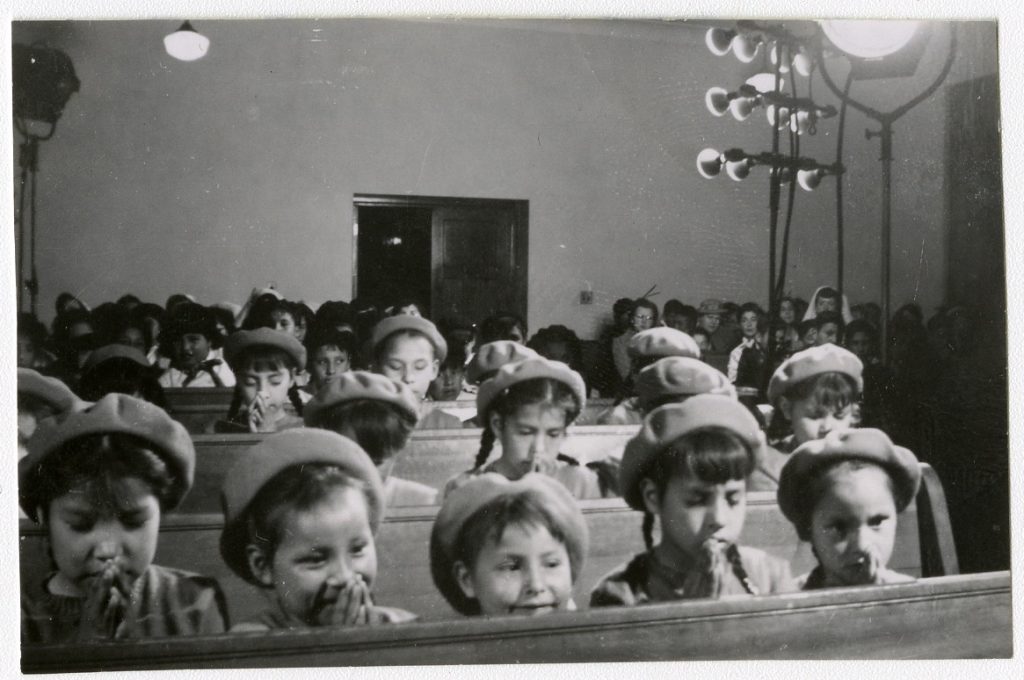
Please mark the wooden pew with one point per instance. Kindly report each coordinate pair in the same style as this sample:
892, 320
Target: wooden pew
196, 408
191, 543
948, 617
432, 457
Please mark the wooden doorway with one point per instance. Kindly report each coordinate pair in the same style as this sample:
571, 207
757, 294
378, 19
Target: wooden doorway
460, 257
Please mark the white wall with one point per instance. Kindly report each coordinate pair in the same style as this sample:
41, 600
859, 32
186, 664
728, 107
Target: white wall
215, 176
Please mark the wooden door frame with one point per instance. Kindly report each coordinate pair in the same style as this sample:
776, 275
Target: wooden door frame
520, 234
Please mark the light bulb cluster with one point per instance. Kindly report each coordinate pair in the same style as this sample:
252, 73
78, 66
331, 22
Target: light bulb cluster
737, 164
747, 40
799, 114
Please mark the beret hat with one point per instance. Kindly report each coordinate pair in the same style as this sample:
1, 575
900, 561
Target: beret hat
115, 351
353, 385
406, 322
863, 444
279, 452
466, 500
239, 341
680, 376
662, 342
666, 424
492, 356
814, 361
529, 369
50, 391
113, 414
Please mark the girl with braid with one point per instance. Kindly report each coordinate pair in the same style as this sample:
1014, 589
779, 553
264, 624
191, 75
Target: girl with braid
527, 407
688, 468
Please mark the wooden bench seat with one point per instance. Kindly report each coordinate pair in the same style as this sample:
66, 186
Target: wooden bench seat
948, 617
432, 457
923, 548
196, 408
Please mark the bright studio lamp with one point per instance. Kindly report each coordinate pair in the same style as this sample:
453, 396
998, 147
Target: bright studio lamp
187, 44
869, 39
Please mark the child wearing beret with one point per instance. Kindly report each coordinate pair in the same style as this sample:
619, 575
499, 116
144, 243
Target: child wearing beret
265, 362
192, 341
300, 515
508, 547
843, 493
99, 478
527, 407
378, 414
813, 392
675, 379
688, 467
120, 368
487, 360
409, 349
643, 349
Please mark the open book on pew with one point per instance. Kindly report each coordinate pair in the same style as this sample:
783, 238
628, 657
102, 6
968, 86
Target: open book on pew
947, 617
431, 457
924, 547
197, 407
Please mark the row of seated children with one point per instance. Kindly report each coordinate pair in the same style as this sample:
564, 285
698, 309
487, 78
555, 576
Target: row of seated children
302, 510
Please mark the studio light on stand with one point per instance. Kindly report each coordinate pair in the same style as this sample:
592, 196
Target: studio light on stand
44, 79
881, 49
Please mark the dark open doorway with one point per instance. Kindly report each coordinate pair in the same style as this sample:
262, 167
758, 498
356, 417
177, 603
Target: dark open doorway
460, 257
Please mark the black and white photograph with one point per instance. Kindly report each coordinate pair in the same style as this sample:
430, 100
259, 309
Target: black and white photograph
422, 340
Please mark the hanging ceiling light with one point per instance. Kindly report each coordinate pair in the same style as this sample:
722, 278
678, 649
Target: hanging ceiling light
869, 39
187, 44
719, 40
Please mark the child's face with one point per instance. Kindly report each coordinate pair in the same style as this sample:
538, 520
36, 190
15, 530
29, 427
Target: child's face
132, 337
410, 359
527, 572
829, 332
531, 439
710, 322
787, 312
322, 551
328, 364
283, 321
826, 304
448, 384
86, 538
26, 352
859, 343
748, 324
557, 351
810, 337
269, 385
192, 349
810, 420
853, 526
691, 511
411, 310
703, 342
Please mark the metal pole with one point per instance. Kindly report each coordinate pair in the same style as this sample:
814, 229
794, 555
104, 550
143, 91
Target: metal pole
886, 159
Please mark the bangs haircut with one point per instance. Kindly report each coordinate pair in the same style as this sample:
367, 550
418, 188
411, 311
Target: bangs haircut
489, 524
819, 482
380, 429
329, 336
713, 455
832, 391
98, 464
263, 359
540, 392
295, 489
385, 345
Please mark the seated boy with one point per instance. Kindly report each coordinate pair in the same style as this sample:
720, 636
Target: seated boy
829, 328
408, 349
331, 354
192, 340
265, 362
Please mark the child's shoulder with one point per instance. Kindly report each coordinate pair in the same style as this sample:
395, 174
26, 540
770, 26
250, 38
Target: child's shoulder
625, 585
768, 573
437, 419
766, 475
624, 413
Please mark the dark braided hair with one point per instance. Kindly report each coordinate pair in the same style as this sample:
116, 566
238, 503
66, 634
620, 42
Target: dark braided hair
542, 391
